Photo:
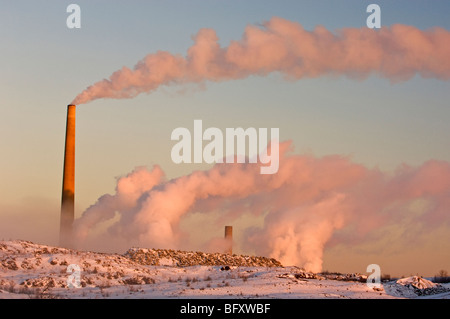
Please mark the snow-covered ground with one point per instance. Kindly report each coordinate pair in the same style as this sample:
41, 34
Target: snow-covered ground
29, 270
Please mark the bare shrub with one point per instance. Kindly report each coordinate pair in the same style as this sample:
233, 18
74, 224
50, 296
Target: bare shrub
442, 277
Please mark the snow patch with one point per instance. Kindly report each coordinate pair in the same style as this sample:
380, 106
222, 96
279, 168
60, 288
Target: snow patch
167, 262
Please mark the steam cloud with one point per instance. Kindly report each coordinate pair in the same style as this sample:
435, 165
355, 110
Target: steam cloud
398, 53
303, 205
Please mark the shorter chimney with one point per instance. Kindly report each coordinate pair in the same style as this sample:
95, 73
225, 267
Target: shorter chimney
229, 239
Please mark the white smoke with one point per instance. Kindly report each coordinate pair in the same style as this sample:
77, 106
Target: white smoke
398, 53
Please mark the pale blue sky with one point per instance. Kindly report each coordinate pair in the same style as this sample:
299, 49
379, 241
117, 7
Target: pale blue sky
44, 65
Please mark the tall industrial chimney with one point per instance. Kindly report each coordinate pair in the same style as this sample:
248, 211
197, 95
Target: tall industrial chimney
68, 188
229, 239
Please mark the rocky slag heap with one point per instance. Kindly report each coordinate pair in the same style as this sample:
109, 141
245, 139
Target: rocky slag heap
421, 286
169, 257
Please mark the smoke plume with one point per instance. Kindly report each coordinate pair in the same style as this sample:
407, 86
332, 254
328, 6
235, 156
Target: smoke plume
302, 206
398, 53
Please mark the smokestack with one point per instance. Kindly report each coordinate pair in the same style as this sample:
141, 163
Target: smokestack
68, 188
229, 239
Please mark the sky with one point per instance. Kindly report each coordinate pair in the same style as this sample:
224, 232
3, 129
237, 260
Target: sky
374, 122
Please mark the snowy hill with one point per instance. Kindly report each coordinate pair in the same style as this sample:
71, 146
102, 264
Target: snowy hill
29, 270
